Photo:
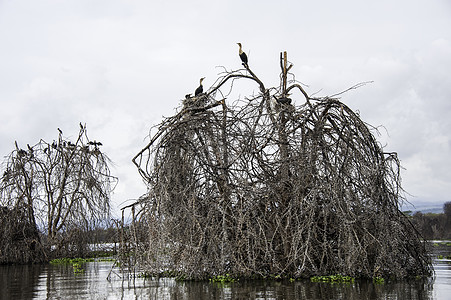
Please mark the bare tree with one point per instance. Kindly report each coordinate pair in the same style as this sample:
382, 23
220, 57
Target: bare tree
261, 186
63, 187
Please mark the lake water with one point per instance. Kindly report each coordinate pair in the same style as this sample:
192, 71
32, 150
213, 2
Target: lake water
60, 282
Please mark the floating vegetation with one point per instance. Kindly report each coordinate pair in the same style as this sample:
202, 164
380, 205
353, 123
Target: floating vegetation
227, 278
333, 279
76, 263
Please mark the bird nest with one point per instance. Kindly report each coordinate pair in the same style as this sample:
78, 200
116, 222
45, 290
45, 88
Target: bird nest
262, 187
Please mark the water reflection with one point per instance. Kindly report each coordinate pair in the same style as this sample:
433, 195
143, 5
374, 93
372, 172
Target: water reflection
60, 282
18, 282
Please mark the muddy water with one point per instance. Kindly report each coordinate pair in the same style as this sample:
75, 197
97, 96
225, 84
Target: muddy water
60, 282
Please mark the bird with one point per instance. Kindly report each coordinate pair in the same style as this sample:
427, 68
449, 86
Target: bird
200, 88
95, 143
243, 56
284, 100
187, 96
22, 152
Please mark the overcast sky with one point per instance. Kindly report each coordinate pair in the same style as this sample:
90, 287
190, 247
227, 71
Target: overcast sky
120, 66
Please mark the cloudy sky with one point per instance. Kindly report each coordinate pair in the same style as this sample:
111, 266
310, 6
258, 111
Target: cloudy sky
120, 66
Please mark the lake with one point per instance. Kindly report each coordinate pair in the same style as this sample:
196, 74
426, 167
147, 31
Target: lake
60, 282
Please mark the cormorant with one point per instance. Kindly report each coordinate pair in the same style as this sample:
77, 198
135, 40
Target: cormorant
22, 152
200, 89
95, 143
243, 56
284, 100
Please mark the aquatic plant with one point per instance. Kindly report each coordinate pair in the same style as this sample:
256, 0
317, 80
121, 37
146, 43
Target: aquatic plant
227, 278
76, 263
333, 279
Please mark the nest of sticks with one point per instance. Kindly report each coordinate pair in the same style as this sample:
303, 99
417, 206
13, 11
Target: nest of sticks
261, 187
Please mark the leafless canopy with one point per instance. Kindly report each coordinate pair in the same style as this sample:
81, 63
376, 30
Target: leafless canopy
261, 186
60, 188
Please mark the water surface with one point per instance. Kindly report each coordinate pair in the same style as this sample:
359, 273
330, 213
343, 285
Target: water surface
60, 282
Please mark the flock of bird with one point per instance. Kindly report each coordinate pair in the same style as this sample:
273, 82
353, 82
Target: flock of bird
55, 145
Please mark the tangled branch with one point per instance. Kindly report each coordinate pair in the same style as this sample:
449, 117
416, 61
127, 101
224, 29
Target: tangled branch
60, 188
259, 187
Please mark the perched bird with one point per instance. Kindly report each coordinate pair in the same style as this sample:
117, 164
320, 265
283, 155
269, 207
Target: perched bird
284, 100
22, 152
243, 56
95, 143
187, 96
200, 89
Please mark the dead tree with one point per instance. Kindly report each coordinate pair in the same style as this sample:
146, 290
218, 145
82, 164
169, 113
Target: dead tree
62, 188
261, 186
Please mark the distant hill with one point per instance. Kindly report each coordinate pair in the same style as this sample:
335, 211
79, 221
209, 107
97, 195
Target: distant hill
424, 208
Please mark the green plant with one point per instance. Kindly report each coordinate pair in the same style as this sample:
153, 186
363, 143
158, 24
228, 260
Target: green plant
223, 278
75, 262
378, 280
333, 279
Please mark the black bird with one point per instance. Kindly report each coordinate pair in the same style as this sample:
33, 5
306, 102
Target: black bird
284, 100
200, 89
22, 152
95, 143
243, 56
187, 96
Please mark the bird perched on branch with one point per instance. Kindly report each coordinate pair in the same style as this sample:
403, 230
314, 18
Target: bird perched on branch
284, 100
95, 143
22, 152
200, 88
243, 56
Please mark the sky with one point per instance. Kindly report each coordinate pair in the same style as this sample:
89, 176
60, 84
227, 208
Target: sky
120, 66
